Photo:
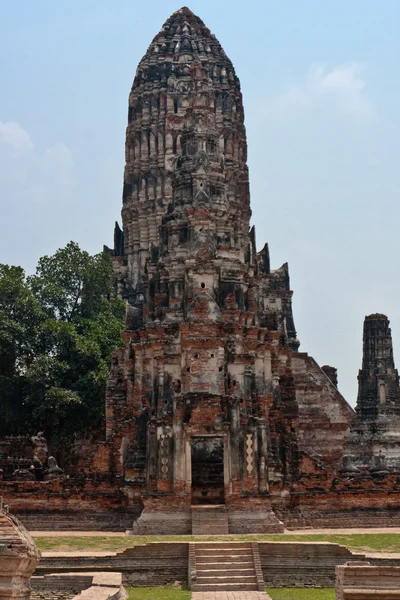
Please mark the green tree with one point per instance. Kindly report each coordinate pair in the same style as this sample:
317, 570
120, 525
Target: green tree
72, 283
21, 319
65, 365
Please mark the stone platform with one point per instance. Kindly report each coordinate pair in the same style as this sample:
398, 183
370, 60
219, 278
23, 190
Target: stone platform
283, 564
363, 581
78, 586
159, 519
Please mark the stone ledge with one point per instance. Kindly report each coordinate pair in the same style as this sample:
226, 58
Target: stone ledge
88, 585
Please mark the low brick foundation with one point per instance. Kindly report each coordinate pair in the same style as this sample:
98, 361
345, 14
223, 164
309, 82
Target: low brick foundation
63, 505
284, 564
362, 581
59, 587
77, 520
146, 565
78, 586
302, 564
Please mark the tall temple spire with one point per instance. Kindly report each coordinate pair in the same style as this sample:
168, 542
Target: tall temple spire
201, 402
378, 380
185, 150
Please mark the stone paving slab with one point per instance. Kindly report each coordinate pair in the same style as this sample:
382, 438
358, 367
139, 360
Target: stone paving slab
78, 553
70, 534
230, 596
342, 530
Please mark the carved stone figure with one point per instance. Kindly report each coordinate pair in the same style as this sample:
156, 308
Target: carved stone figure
53, 471
23, 475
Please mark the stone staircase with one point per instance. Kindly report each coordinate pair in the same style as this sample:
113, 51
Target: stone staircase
210, 519
225, 567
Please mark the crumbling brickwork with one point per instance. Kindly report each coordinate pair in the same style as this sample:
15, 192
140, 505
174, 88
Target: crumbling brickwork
374, 442
359, 580
209, 401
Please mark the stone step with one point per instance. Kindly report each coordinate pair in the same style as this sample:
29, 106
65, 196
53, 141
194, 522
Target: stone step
216, 587
225, 565
210, 526
229, 557
216, 558
210, 519
204, 507
199, 529
209, 530
238, 574
222, 546
234, 568
215, 580
223, 552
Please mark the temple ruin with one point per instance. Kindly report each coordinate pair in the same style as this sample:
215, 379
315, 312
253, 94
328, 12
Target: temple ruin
214, 418
374, 440
209, 402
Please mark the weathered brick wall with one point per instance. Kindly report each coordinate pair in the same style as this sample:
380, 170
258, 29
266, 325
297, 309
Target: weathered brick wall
324, 415
95, 586
59, 587
144, 565
210, 346
289, 564
51, 594
360, 501
68, 505
283, 563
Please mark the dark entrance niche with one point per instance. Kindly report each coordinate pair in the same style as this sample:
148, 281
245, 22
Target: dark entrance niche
207, 470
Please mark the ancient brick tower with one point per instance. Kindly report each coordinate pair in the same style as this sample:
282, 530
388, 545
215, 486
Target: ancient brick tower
204, 400
374, 441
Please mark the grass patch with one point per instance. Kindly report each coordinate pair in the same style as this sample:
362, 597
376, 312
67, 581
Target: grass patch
157, 593
301, 593
362, 542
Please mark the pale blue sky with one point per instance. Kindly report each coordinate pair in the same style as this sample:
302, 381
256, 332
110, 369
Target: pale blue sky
321, 86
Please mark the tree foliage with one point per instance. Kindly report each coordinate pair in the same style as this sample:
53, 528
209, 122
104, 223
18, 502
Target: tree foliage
58, 329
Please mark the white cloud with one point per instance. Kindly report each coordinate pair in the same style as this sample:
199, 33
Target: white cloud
14, 136
343, 86
29, 172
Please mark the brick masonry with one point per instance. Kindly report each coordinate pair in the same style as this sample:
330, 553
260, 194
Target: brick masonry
78, 586
361, 581
283, 564
209, 400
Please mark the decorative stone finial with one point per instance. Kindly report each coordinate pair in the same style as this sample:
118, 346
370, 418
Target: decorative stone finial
19, 557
